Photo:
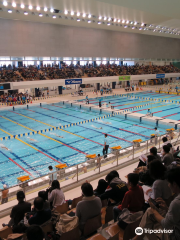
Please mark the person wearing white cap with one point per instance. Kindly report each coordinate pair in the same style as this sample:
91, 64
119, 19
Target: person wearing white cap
5, 192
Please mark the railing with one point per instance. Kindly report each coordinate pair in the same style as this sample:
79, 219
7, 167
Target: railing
83, 171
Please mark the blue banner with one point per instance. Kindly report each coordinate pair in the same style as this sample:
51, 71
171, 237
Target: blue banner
73, 81
161, 75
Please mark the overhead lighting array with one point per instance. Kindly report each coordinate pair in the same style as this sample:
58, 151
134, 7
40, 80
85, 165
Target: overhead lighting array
85, 17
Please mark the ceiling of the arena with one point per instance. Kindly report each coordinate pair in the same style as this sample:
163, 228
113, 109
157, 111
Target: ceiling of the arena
155, 17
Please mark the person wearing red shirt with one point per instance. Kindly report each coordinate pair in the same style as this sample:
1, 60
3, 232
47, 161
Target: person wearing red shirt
133, 199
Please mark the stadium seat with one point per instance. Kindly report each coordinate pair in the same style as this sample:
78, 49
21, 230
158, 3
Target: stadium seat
62, 208
74, 234
92, 225
75, 202
97, 237
5, 231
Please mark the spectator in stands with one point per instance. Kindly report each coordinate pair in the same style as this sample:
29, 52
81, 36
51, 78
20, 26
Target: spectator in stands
160, 186
52, 176
41, 216
101, 188
133, 199
89, 207
34, 233
116, 189
167, 156
153, 152
165, 217
5, 192
19, 210
55, 194
172, 150
144, 174
44, 196
165, 142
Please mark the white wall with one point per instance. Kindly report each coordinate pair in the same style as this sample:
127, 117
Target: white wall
18, 38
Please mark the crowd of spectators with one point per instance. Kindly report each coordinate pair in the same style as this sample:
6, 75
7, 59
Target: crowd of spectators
159, 173
32, 73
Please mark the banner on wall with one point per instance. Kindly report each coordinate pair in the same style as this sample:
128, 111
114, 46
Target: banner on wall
124, 78
160, 75
73, 81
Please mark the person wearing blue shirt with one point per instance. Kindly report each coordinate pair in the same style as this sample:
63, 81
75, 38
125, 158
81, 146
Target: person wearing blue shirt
106, 146
101, 91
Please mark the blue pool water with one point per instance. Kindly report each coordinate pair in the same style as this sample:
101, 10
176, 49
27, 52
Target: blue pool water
31, 155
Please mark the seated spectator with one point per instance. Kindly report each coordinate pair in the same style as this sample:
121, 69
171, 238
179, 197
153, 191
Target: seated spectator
171, 148
41, 216
165, 142
165, 217
101, 188
55, 194
167, 158
44, 196
160, 186
133, 199
153, 152
144, 174
89, 207
116, 189
34, 233
19, 210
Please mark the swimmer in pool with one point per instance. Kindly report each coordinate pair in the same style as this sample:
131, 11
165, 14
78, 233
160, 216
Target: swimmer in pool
4, 147
104, 122
32, 140
96, 127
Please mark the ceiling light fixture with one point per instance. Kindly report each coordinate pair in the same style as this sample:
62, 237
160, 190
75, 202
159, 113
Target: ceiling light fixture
100, 18
125, 26
99, 22
9, 11
142, 24
133, 27
40, 15
30, 7
115, 19
78, 20
38, 8
84, 15
22, 5
119, 20
127, 21
108, 24
109, 19
54, 16
105, 18
25, 13
78, 14
72, 13
89, 16
45, 9
5, 3
51, 10
123, 21
135, 23
65, 12
140, 28
89, 21
131, 22
14, 4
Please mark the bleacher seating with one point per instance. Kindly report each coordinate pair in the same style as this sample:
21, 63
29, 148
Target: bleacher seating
32, 73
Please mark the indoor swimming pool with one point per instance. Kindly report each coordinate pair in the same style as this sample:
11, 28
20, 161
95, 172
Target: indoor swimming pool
23, 151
